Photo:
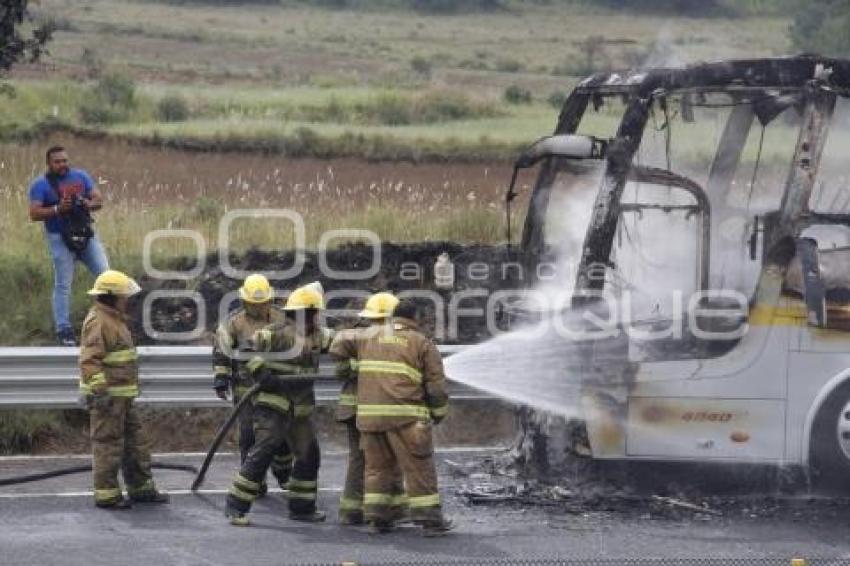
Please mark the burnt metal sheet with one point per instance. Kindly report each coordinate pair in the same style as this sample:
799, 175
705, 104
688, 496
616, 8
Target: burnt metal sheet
778, 72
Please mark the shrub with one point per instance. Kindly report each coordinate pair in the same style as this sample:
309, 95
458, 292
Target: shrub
333, 4
335, 111
92, 62
453, 6
690, 7
208, 209
20, 431
448, 106
515, 94
91, 112
110, 101
116, 89
393, 110
173, 108
575, 67
508, 65
474, 65
421, 66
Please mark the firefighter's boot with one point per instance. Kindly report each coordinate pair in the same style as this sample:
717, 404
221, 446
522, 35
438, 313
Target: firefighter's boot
116, 505
236, 517
314, 516
153, 496
351, 518
437, 528
380, 527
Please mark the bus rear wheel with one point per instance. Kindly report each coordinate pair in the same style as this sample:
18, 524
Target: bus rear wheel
830, 442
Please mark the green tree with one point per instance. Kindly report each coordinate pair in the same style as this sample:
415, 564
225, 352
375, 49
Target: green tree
820, 26
21, 38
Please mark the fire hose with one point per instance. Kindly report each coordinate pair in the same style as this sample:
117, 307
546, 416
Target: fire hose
222, 433
201, 472
85, 468
224, 429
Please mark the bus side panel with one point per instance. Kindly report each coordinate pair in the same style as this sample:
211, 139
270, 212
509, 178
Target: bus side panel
811, 377
706, 428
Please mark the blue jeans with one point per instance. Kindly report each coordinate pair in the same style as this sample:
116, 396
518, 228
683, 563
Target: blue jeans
94, 258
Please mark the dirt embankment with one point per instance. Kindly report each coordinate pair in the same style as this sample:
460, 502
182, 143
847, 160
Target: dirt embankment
402, 268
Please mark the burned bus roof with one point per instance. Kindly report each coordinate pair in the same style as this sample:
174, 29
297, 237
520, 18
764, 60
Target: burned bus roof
781, 72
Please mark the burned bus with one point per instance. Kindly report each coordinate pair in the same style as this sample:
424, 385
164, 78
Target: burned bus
717, 197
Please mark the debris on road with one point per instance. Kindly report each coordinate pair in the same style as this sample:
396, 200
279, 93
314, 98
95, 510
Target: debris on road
600, 491
685, 505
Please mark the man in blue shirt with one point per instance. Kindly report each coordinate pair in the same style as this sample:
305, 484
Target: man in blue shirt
53, 197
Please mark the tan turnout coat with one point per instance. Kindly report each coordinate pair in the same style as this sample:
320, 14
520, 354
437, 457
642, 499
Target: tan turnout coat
399, 373
108, 360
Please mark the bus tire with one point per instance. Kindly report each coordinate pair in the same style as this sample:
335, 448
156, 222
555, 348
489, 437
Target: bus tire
830, 442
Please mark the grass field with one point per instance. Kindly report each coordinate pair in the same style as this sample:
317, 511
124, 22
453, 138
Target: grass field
382, 84
295, 44
375, 83
388, 85
149, 189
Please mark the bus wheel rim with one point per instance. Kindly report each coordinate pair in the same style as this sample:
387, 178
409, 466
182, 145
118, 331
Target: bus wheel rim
844, 430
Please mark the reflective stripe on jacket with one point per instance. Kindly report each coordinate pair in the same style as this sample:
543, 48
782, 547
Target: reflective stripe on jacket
108, 359
400, 377
231, 338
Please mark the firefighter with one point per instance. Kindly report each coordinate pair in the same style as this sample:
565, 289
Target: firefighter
401, 390
230, 356
109, 382
283, 409
344, 351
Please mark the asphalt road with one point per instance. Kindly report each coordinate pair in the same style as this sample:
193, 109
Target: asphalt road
54, 522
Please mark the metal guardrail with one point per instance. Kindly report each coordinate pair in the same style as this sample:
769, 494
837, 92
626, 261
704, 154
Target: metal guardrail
178, 376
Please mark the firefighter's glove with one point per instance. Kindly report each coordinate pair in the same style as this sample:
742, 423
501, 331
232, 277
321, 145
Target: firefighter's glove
264, 377
267, 380
220, 385
439, 413
99, 401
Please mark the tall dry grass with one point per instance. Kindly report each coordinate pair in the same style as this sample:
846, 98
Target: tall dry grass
148, 190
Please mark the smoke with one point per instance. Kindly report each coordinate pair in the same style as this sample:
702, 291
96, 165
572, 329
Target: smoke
657, 250
567, 218
533, 364
663, 51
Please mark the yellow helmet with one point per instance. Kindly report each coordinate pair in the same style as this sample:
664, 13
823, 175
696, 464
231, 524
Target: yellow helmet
380, 305
307, 297
256, 289
112, 282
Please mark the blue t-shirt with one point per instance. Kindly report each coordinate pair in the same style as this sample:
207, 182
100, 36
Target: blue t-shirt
75, 183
